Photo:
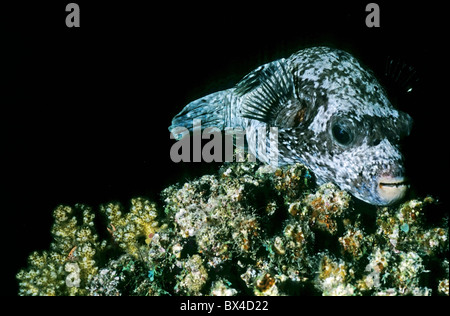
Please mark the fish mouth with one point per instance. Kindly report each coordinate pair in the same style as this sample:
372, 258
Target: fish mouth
392, 184
392, 189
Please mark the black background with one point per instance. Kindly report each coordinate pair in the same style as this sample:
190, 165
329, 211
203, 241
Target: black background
85, 111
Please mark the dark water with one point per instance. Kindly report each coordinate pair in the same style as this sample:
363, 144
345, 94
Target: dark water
86, 111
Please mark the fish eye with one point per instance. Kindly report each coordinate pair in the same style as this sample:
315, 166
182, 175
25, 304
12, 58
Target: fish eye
342, 133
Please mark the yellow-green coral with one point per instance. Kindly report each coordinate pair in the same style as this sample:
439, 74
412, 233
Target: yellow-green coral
222, 288
131, 229
193, 276
325, 207
352, 242
334, 277
443, 287
212, 210
70, 264
404, 228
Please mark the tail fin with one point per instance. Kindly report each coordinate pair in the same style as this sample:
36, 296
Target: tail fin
211, 110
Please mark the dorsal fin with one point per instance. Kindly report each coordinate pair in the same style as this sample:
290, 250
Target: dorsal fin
268, 96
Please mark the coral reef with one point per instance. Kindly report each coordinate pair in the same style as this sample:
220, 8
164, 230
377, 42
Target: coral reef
128, 230
245, 231
70, 264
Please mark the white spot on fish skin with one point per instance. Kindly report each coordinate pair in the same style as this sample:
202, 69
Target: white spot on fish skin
318, 125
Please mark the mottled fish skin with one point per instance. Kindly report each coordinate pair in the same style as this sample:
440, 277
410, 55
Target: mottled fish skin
331, 113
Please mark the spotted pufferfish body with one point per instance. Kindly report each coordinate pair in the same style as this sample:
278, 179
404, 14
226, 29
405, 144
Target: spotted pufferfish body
331, 113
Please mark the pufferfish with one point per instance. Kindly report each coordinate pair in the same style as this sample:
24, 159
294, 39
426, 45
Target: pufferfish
332, 115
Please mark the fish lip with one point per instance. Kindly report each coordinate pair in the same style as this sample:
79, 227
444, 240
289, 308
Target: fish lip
392, 182
392, 189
